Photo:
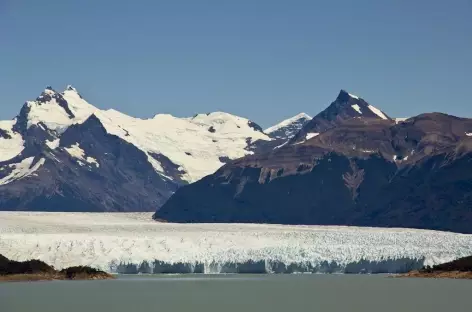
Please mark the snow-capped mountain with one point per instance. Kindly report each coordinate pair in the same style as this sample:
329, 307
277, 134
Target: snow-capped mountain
62, 153
350, 165
346, 107
288, 128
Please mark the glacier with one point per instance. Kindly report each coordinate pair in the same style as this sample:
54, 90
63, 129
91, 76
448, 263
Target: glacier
131, 243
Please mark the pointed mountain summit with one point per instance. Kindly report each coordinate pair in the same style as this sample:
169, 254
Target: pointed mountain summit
55, 110
350, 165
346, 106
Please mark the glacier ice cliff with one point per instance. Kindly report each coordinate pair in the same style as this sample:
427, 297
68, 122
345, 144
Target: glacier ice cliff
131, 243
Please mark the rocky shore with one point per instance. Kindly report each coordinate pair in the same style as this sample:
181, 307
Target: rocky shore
35, 270
458, 269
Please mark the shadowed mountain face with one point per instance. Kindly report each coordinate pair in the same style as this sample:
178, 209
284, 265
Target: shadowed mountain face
113, 176
357, 168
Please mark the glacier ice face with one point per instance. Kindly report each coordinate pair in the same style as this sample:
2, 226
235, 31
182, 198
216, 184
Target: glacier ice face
133, 243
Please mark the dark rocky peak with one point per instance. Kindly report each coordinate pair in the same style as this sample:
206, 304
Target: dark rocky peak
345, 96
21, 124
92, 127
346, 106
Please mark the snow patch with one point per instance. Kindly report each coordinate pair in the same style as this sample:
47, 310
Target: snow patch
377, 111
353, 96
399, 120
129, 242
357, 108
310, 135
10, 147
77, 152
49, 91
396, 158
53, 144
22, 170
281, 145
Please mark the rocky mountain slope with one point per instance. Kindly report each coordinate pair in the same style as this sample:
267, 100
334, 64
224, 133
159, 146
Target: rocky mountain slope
346, 106
280, 134
288, 128
350, 165
63, 154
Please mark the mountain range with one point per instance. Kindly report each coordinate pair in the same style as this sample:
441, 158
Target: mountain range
63, 154
352, 164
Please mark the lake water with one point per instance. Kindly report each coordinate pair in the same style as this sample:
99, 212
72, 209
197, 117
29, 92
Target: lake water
239, 293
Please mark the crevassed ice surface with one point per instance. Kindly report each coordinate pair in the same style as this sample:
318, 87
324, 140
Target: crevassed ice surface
132, 243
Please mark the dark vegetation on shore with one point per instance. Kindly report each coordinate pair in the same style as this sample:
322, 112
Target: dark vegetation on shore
38, 270
460, 268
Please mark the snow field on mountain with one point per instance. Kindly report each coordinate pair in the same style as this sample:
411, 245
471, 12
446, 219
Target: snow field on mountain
54, 116
76, 151
357, 108
196, 144
10, 147
378, 112
286, 122
22, 169
132, 242
311, 135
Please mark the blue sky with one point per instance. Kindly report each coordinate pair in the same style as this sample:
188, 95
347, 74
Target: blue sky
265, 60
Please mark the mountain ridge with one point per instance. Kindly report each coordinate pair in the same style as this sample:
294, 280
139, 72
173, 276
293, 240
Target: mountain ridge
59, 145
357, 170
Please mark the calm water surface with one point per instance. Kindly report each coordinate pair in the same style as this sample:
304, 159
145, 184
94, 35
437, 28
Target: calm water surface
240, 293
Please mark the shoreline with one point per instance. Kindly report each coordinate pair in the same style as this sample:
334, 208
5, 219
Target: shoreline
436, 274
38, 277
